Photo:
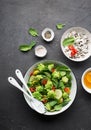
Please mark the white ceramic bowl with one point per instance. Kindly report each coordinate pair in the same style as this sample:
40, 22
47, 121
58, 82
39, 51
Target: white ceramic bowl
73, 88
51, 32
78, 30
82, 81
40, 51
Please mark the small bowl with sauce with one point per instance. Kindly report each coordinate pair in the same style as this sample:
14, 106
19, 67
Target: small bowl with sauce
48, 34
86, 80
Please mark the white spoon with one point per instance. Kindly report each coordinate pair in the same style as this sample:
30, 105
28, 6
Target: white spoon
20, 77
37, 105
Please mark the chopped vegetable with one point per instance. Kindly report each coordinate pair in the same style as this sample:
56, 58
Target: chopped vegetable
67, 90
56, 74
44, 81
65, 95
51, 87
58, 93
50, 67
37, 95
65, 79
33, 32
41, 67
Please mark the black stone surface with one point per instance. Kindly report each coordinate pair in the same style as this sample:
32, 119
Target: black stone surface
16, 17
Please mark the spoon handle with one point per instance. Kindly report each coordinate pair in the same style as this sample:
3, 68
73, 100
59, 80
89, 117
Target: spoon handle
15, 83
20, 76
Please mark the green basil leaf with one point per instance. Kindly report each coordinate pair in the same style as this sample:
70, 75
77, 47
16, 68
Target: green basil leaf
24, 47
68, 41
27, 47
33, 32
60, 26
32, 44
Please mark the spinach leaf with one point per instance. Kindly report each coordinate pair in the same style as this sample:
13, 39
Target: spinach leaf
33, 32
61, 84
26, 47
53, 103
66, 101
68, 41
59, 26
58, 107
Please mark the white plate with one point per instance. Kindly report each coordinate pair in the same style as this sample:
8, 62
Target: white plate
73, 88
79, 30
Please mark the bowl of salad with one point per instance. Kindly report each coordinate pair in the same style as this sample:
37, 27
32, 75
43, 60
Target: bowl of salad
53, 83
76, 44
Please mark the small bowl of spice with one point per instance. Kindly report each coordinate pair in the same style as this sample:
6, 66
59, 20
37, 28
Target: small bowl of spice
48, 34
40, 51
86, 80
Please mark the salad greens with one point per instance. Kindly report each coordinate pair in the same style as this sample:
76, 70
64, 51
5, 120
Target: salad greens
68, 41
26, 47
51, 84
33, 32
59, 26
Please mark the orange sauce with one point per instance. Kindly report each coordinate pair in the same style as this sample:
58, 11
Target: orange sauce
87, 79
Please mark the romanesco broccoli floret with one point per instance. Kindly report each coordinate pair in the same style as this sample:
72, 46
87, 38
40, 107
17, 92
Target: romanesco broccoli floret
51, 94
50, 67
41, 67
39, 77
39, 88
65, 95
37, 95
56, 74
48, 85
65, 79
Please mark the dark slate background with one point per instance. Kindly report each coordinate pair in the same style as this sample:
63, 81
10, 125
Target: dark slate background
16, 17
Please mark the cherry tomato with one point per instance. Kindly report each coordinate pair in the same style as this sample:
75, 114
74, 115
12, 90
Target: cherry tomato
71, 47
31, 73
53, 69
32, 89
67, 90
73, 50
53, 88
44, 101
44, 81
73, 53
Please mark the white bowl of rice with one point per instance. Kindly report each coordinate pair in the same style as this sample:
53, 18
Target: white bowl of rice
76, 44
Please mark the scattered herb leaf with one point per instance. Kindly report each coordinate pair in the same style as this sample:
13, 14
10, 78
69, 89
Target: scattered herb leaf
68, 41
60, 26
33, 32
26, 47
